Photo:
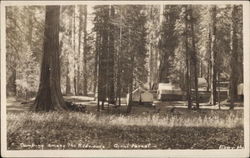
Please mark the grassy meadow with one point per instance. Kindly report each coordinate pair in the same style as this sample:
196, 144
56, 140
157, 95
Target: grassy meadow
178, 129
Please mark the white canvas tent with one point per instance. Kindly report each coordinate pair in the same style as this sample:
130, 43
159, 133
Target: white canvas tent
147, 97
202, 82
141, 95
169, 91
169, 88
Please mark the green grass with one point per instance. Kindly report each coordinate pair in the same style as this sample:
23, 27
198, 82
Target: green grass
183, 129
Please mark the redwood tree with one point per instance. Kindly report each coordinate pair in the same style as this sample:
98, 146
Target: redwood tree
49, 96
85, 81
213, 55
234, 74
188, 66
194, 56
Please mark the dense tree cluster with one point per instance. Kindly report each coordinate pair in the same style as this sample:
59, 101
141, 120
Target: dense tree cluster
110, 50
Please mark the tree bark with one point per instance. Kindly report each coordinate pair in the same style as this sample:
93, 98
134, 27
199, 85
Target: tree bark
49, 96
194, 60
218, 83
12, 82
98, 79
119, 54
70, 39
85, 87
95, 89
188, 77
209, 61
68, 87
111, 87
102, 54
79, 49
74, 49
234, 58
130, 88
213, 56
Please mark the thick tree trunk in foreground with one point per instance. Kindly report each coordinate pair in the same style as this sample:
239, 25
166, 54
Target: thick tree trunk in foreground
49, 96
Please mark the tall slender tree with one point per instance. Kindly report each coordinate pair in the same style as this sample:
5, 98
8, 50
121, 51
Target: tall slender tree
188, 63
68, 52
213, 54
111, 52
194, 56
85, 86
101, 28
234, 57
79, 47
119, 54
74, 49
131, 75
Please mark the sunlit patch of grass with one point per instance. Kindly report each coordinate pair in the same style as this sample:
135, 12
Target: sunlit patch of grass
213, 119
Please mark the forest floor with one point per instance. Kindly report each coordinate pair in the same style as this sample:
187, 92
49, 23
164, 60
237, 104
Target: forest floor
168, 125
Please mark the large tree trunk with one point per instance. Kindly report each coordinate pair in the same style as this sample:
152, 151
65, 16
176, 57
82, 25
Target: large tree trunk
49, 96
194, 60
102, 56
111, 81
85, 87
234, 58
213, 56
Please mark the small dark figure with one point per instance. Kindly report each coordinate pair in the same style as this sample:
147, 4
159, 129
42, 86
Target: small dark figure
76, 107
195, 108
26, 102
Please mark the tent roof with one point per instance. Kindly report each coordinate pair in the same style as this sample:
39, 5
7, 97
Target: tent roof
140, 89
